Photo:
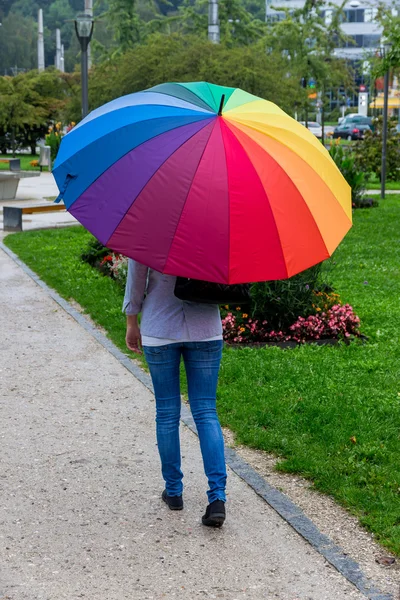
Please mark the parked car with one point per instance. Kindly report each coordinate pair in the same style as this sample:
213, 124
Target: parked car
350, 131
314, 127
351, 116
357, 120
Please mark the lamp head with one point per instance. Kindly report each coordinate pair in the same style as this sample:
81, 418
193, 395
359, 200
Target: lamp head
84, 29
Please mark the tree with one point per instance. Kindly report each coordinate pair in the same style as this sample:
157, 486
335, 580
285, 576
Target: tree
237, 25
124, 23
18, 43
29, 102
308, 43
16, 107
188, 58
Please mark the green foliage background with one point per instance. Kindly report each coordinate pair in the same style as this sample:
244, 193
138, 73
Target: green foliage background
18, 39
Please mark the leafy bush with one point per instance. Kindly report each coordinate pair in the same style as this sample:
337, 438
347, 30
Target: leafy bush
105, 260
53, 139
355, 176
298, 309
282, 302
94, 253
368, 152
115, 266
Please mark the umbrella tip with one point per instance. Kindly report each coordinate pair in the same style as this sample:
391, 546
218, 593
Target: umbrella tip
221, 105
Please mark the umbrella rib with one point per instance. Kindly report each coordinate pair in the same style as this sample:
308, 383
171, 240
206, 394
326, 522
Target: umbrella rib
147, 182
187, 195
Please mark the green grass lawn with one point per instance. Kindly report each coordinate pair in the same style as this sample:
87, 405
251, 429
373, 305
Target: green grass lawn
25, 162
375, 184
331, 413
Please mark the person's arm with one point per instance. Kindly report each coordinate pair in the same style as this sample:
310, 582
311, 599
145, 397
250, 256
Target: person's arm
133, 337
134, 295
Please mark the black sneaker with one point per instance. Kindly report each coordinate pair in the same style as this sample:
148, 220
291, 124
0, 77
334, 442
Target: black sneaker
215, 514
174, 502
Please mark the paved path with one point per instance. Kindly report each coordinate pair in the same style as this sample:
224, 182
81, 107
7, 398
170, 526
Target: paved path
377, 192
80, 512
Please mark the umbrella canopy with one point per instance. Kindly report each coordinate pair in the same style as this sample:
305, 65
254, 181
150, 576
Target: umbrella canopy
204, 181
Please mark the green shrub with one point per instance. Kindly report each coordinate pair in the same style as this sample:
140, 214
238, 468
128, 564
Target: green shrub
368, 152
356, 177
53, 139
94, 253
282, 302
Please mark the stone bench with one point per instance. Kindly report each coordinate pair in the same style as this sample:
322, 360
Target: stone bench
12, 215
14, 164
9, 181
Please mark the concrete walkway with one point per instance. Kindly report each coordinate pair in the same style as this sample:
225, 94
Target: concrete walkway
377, 192
81, 514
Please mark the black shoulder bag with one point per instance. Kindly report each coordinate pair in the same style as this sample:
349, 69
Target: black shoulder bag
207, 292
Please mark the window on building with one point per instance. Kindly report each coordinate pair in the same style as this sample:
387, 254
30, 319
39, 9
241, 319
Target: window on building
370, 15
276, 16
355, 15
371, 40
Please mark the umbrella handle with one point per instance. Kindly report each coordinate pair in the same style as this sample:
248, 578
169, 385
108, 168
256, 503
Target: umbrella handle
221, 104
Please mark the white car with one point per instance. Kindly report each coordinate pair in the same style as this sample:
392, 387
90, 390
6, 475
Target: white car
314, 127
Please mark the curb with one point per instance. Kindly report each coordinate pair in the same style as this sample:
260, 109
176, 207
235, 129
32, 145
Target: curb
289, 511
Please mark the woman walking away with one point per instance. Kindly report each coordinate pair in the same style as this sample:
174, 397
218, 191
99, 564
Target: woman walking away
171, 329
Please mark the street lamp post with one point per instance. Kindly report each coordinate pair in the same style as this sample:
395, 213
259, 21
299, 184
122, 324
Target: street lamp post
84, 29
385, 49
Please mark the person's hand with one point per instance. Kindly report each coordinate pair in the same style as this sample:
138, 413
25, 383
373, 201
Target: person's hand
133, 337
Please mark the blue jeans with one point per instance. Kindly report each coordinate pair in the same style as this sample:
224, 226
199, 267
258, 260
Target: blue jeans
202, 361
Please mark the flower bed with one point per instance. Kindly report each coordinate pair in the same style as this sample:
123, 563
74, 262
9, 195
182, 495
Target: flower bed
115, 266
337, 322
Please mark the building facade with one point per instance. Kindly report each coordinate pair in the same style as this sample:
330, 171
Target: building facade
359, 23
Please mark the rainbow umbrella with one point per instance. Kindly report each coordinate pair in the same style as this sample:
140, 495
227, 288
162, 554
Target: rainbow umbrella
204, 181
